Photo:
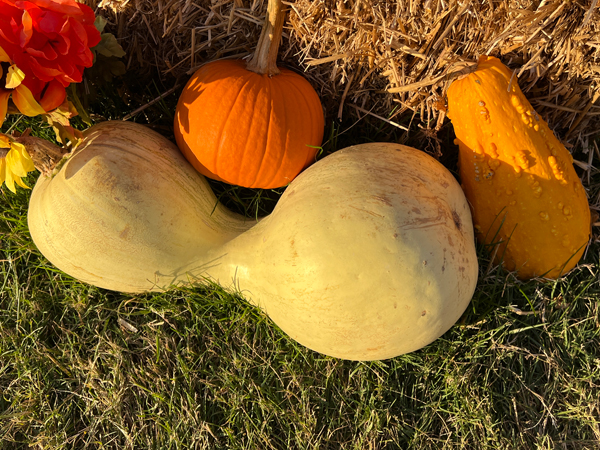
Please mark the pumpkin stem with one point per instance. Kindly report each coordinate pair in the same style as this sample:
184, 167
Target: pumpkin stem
264, 60
44, 154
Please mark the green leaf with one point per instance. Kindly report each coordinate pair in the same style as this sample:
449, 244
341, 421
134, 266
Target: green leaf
100, 23
74, 98
109, 46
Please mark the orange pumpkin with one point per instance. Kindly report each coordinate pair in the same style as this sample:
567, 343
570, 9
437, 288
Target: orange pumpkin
518, 177
252, 125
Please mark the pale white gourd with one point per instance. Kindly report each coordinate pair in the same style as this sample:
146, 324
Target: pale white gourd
368, 254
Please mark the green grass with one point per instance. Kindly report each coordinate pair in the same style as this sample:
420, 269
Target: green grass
82, 367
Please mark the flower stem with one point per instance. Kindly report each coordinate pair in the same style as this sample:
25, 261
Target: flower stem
44, 154
264, 60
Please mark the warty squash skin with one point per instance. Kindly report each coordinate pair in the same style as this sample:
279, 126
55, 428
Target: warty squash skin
369, 253
518, 177
246, 128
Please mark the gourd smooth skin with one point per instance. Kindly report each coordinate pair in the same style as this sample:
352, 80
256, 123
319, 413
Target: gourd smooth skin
368, 254
518, 177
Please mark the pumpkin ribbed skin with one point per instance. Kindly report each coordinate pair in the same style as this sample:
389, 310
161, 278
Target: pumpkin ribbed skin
369, 253
517, 176
248, 129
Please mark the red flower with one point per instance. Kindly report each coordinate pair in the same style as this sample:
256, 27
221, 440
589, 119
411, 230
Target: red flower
50, 41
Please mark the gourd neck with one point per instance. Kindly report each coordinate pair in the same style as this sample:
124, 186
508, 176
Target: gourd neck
264, 61
44, 154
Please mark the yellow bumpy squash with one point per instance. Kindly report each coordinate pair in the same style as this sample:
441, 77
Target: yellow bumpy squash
518, 177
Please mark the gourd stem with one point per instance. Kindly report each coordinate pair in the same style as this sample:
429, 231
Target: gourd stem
44, 154
264, 60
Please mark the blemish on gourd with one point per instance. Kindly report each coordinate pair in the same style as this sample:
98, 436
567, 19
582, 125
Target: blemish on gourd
557, 169
535, 186
457, 222
494, 151
485, 114
521, 160
518, 171
544, 216
123, 234
383, 199
526, 119
423, 313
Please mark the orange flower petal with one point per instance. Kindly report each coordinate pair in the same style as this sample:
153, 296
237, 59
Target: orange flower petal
70, 7
54, 96
4, 141
25, 102
4, 56
27, 31
3, 105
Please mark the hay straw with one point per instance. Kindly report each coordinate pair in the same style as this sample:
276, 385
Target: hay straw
381, 54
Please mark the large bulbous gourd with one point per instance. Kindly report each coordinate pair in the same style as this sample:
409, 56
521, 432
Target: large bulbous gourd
253, 125
368, 254
518, 177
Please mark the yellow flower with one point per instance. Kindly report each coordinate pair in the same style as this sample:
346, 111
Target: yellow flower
21, 95
15, 163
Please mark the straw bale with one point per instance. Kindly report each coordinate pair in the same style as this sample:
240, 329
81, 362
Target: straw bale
393, 59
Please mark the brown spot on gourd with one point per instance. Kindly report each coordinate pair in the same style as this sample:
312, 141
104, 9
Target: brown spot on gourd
485, 114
